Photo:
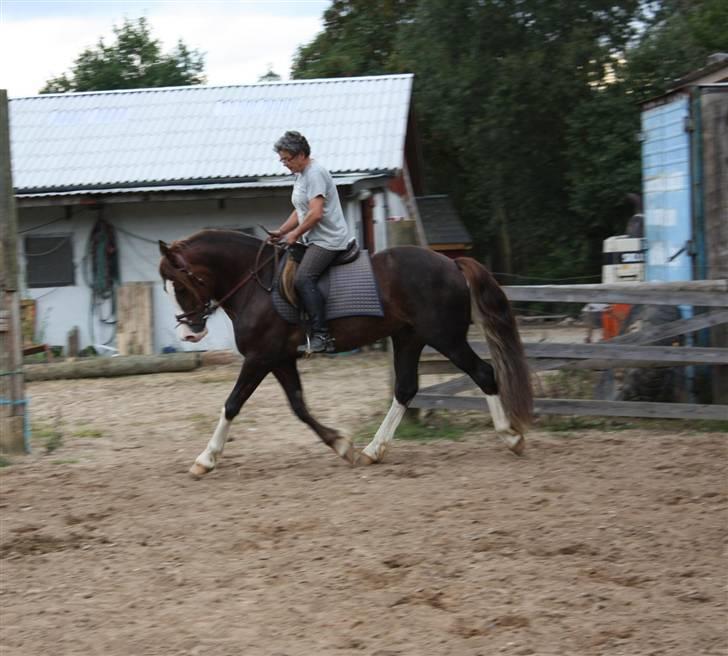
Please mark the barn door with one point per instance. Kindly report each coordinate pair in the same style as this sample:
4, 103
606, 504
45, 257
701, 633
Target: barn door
367, 223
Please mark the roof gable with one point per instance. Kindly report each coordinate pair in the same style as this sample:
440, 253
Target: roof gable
441, 222
182, 134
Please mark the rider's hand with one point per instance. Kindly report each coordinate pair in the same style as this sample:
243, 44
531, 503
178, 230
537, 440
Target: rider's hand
274, 236
290, 238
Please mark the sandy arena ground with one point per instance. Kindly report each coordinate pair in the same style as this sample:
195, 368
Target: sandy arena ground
601, 541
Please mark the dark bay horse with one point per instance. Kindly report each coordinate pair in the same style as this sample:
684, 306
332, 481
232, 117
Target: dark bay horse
427, 298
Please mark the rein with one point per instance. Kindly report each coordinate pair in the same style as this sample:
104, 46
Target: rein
204, 311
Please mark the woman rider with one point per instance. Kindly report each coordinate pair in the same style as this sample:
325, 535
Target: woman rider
318, 221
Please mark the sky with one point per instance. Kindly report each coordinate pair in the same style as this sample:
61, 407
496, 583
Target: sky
241, 39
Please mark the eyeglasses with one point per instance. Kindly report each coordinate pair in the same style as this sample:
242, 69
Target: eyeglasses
289, 158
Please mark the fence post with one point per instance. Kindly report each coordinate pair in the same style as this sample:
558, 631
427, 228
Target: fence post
12, 388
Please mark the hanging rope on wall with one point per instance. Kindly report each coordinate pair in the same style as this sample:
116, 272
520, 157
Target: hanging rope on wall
102, 274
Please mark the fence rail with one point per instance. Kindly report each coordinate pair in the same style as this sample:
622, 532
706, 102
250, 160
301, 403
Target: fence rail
635, 349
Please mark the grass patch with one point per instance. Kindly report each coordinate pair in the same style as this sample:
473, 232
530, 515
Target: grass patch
5, 462
67, 461
88, 432
564, 424
566, 384
710, 426
440, 425
49, 437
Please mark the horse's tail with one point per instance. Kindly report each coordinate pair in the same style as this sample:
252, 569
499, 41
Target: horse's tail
490, 307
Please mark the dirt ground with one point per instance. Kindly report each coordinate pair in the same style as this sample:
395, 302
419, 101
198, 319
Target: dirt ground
608, 540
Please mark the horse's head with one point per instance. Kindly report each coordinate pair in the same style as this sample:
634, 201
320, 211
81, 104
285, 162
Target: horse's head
188, 291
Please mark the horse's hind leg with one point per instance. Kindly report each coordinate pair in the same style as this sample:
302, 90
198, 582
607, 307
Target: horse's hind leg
407, 350
249, 378
483, 375
289, 379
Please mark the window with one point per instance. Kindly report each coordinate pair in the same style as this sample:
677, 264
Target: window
49, 261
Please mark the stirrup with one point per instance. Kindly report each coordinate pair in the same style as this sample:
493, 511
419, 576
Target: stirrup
319, 343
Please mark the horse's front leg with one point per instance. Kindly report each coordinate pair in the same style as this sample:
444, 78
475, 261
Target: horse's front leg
289, 379
251, 375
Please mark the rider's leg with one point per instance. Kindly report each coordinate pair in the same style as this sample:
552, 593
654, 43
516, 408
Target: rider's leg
312, 266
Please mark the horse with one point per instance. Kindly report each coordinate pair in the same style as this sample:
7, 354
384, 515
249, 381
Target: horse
427, 299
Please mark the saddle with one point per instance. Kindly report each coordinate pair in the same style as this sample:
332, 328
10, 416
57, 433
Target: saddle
295, 256
348, 285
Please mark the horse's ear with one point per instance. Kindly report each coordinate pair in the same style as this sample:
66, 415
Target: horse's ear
163, 248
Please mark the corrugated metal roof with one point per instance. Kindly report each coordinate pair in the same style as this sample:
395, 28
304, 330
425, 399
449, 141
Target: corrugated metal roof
178, 134
441, 221
262, 183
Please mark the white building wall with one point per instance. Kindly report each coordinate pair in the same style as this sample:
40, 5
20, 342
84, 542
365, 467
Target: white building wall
139, 226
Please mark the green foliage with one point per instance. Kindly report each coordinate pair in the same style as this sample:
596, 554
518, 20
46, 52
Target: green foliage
87, 431
51, 438
358, 39
569, 424
134, 61
528, 111
433, 425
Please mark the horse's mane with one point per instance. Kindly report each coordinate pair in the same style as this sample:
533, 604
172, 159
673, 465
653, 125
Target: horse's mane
183, 252
215, 236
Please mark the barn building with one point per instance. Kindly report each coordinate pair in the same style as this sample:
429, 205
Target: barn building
100, 177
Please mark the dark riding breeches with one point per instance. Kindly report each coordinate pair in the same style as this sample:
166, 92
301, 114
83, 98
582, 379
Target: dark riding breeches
312, 266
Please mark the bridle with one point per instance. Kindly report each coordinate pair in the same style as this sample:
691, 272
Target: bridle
207, 308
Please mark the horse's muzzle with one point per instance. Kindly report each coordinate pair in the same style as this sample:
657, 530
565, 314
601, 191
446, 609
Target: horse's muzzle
189, 333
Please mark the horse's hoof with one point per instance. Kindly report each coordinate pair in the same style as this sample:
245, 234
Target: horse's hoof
198, 471
351, 456
343, 447
516, 443
365, 460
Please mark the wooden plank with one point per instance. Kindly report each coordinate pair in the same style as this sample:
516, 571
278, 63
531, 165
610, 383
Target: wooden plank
644, 336
673, 328
134, 329
12, 387
666, 355
633, 293
713, 285
630, 353
583, 407
452, 386
123, 365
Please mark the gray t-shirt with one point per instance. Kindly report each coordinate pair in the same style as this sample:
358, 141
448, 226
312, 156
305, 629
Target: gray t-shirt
332, 232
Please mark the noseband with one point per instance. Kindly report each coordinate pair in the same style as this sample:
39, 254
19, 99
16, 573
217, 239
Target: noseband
205, 310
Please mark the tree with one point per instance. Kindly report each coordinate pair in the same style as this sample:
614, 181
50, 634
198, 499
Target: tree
678, 37
358, 39
496, 83
135, 60
528, 110
270, 75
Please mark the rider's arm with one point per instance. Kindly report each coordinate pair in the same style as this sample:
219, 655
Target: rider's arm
290, 224
313, 216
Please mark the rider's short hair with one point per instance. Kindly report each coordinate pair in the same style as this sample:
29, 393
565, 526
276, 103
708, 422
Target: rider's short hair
293, 142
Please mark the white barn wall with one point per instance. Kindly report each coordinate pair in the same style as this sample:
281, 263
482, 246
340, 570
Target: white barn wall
139, 225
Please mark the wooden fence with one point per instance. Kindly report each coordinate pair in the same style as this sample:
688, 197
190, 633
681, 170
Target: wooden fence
626, 351
13, 417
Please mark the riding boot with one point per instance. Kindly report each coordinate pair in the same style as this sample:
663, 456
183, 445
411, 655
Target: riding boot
315, 306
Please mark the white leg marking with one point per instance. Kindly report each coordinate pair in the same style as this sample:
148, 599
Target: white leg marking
498, 413
376, 448
209, 457
501, 422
